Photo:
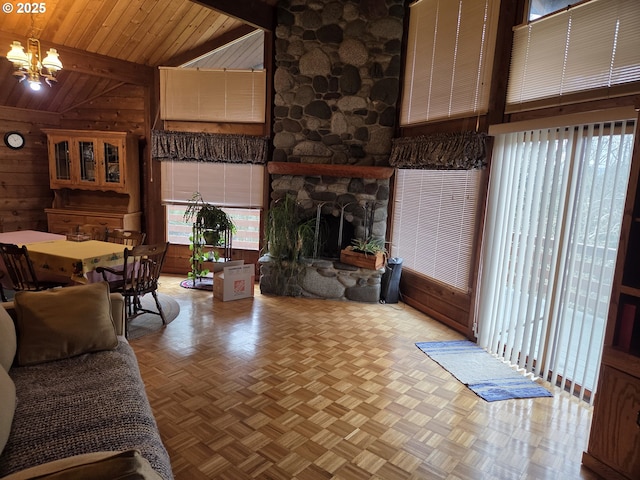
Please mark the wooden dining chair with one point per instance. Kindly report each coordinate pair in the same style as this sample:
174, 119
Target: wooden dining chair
138, 276
130, 238
20, 269
3, 296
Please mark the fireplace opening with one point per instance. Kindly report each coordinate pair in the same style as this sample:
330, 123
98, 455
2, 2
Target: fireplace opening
331, 236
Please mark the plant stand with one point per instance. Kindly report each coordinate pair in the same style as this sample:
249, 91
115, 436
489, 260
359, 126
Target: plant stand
199, 255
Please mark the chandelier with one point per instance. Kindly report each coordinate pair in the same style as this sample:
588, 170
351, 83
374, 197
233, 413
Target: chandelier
31, 66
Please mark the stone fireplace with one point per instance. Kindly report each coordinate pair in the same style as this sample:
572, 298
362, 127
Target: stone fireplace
354, 201
336, 86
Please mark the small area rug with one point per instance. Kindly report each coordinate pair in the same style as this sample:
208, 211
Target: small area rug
487, 376
205, 283
147, 323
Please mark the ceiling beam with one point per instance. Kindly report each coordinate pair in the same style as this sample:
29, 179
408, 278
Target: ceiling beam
75, 60
210, 45
254, 12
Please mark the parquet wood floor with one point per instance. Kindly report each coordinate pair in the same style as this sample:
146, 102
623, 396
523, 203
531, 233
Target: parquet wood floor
291, 388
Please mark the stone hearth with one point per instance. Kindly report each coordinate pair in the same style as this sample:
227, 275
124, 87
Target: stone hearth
328, 279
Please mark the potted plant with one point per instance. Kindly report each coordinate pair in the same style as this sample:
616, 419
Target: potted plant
211, 226
365, 253
288, 238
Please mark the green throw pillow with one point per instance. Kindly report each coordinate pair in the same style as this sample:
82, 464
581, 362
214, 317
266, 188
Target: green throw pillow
64, 322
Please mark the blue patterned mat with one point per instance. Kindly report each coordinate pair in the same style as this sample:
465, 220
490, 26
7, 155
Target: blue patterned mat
485, 375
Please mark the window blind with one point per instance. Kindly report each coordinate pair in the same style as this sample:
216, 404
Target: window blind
223, 184
593, 47
212, 95
434, 223
449, 59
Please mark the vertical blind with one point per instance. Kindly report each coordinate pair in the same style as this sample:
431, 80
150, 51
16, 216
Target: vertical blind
554, 211
434, 223
449, 59
212, 95
593, 46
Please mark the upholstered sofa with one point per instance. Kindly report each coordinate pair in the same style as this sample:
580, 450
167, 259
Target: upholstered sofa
72, 401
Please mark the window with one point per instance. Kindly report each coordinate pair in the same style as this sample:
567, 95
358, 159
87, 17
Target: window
593, 47
552, 229
449, 59
237, 188
246, 220
434, 223
540, 8
213, 95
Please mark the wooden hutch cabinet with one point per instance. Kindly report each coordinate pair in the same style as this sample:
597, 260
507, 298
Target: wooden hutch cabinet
614, 442
96, 181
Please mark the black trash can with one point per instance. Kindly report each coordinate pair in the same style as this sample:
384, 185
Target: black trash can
390, 283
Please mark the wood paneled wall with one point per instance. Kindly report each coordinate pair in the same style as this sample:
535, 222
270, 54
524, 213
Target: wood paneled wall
24, 173
121, 109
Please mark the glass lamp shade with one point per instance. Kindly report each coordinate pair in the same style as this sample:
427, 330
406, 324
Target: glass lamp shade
52, 61
17, 55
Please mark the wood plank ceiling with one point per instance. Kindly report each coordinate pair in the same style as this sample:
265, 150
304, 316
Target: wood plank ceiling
105, 43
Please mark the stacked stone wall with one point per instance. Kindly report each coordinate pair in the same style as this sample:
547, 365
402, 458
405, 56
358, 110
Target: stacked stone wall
336, 80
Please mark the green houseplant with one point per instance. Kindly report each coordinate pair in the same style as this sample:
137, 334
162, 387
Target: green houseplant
288, 238
211, 225
365, 253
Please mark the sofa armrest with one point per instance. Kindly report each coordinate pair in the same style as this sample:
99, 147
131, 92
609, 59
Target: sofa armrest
117, 311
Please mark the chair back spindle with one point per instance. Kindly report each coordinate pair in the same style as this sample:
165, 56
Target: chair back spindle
20, 269
130, 238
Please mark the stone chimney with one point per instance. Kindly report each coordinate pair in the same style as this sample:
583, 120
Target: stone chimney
336, 81
337, 84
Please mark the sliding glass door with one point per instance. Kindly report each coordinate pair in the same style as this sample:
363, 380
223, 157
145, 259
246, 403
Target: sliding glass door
556, 198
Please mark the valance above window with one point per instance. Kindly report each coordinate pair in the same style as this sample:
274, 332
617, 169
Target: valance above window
208, 147
445, 151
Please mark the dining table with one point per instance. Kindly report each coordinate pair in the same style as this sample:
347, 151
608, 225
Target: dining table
25, 237
77, 261
55, 257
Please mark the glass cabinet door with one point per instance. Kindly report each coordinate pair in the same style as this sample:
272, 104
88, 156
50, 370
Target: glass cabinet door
111, 163
62, 160
86, 151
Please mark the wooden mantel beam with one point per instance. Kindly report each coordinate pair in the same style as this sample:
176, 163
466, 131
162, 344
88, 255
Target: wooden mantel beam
329, 170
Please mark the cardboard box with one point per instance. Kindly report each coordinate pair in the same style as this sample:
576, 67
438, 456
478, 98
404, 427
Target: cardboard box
234, 283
